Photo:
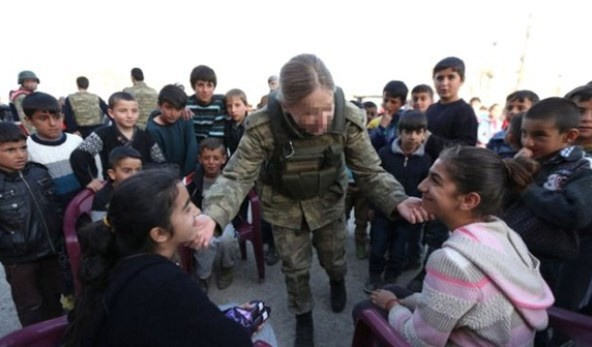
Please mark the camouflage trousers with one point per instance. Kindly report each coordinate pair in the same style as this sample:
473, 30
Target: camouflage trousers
294, 247
354, 199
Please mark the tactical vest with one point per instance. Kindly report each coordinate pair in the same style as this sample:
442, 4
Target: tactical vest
86, 109
303, 167
147, 99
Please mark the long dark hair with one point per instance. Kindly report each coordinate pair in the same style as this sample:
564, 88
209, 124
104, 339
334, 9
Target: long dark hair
138, 204
484, 172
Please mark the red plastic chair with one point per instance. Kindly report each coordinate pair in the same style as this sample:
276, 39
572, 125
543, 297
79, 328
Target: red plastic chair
48, 333
577, 327
251, 231
373, 330
80, 205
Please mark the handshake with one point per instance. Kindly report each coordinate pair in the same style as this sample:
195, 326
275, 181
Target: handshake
250, 316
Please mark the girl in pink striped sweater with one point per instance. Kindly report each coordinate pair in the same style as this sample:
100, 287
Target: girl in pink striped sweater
483, 287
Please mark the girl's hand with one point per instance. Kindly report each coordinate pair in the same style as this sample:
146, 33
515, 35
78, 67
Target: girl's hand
382, 298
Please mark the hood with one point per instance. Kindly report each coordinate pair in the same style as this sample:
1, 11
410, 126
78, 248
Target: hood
127, 269
502, 256
396, 148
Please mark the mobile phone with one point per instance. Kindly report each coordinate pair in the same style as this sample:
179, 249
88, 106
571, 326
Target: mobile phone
249, 318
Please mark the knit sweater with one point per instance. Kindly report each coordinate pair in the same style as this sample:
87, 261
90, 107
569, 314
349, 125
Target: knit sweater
482, 287
55, 155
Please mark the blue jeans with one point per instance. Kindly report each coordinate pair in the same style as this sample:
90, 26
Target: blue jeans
392, 236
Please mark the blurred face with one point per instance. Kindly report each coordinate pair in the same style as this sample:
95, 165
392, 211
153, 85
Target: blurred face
495, 112
125, 114
515, 107
411, 139
543, 138
585, 126
183, 218
236, 108
169, 114
212, 161
273, 84
204, 91
48, 124
391, 105
314, 113
439, 193
371, 113
30, 85
447, 83
13, 156
126, 168
421, 101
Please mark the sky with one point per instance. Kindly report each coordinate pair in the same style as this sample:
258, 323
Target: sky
364, 44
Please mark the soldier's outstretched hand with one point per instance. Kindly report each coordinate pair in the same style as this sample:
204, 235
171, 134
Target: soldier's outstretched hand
205, 226
412, 210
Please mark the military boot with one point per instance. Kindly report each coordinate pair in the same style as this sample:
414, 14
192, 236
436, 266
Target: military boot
338, 295
225, 277
304, 330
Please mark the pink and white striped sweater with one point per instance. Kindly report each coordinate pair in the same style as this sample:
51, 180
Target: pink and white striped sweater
483, 288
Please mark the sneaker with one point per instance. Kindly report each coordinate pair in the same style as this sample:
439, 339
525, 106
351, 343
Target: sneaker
411, 265
338, 295
304, 330
271, 257
374, 283
361, 252
225, 277
204, 284
416, 283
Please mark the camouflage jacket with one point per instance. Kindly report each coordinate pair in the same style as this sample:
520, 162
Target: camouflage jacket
224, 198
147, 101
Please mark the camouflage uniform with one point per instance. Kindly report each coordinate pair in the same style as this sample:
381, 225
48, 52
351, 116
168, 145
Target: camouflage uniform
147, 101
86, 109
16, 104
294, 220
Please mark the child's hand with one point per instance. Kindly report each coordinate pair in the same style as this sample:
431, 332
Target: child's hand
187, 114
383, 298
95, 185
205, 226
524, 152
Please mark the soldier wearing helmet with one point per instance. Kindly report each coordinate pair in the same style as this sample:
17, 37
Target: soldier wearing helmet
28, 82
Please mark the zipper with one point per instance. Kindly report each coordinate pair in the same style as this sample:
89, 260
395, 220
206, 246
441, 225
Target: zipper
38, 210
405, 162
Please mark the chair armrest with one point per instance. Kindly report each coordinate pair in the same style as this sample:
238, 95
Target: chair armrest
373, 327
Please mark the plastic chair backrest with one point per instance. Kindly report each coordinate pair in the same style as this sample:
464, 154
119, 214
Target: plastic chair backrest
251, 231
48, 333
577, 327
372, 329
80, 205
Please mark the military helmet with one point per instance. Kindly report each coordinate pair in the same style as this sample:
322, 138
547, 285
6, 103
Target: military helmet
26, 75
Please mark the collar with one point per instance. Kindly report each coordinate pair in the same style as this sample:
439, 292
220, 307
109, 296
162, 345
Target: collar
41, 141
396, 148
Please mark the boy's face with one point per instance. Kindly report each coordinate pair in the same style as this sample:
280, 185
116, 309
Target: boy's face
125, 113
236, 108
204, 90
212, 160
585, 126
421, 101
515, 107
371, 113
48, 124
13, 156
391, 105
169, 114
543, 139
30, 85
411, 139
126, 168
447, 83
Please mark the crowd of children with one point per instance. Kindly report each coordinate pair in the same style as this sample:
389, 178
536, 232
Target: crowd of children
494, 236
